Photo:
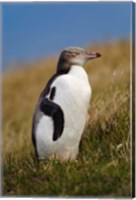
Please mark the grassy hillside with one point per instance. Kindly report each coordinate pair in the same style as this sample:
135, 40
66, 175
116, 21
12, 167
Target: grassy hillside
102, 168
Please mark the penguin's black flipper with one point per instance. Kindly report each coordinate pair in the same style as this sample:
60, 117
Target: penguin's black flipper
53, 110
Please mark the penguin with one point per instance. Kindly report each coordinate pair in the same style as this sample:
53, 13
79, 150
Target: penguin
62, 109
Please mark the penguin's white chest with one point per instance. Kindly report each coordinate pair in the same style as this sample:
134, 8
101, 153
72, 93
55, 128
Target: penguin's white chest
73, 94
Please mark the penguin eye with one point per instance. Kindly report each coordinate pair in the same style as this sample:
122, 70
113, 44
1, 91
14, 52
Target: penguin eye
74, 54
68, 55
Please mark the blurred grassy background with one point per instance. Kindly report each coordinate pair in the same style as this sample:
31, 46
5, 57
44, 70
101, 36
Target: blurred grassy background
103, 165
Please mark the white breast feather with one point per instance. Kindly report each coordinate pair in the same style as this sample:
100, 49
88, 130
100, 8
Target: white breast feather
73, 94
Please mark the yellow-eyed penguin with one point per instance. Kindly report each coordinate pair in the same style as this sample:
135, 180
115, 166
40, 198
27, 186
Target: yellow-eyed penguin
61, 111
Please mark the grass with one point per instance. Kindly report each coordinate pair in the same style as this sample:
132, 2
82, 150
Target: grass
102, 168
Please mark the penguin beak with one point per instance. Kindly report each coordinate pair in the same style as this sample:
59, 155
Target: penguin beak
92, 55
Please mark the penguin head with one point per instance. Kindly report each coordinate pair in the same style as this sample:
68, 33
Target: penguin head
74, 56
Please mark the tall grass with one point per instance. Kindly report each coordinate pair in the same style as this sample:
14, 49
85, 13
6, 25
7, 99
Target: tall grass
103, 164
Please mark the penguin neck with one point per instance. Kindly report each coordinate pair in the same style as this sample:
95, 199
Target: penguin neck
74, 70
77, 71
63, 67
